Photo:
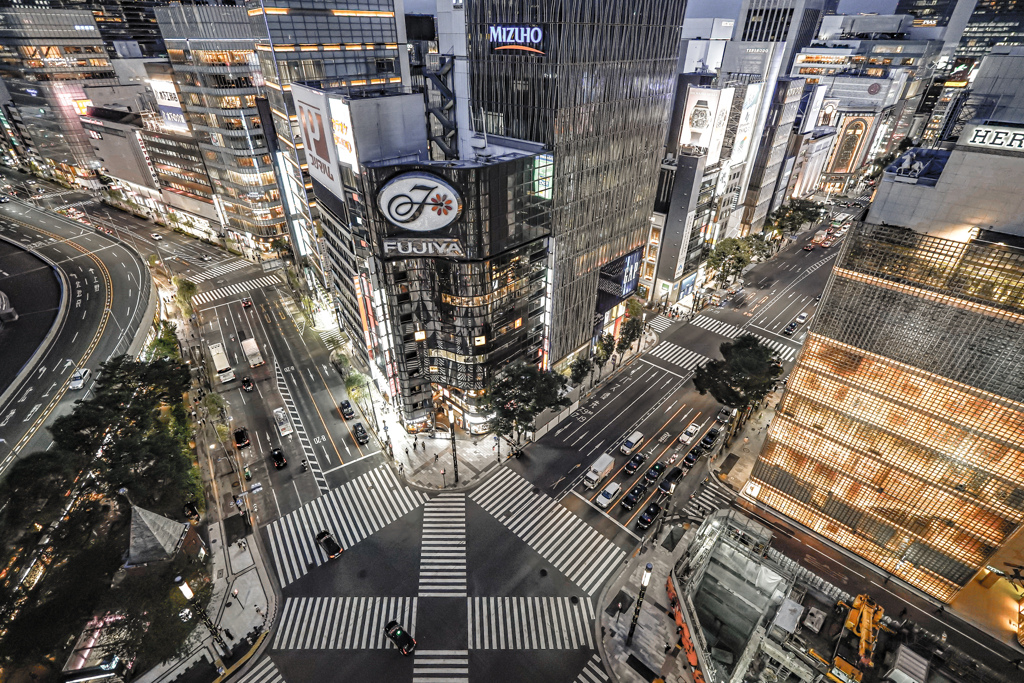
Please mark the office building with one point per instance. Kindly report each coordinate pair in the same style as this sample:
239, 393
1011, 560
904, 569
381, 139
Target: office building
927, 12
216, 84
47, 57
993, 22
128, 27
790, 22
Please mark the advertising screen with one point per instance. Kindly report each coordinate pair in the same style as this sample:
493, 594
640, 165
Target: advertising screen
705, 121
318, 137
344, 140
167, 102
748, 119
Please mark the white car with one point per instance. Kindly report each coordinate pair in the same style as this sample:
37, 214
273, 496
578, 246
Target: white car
79, 379
206, 257
608, 495
801, 319
157, 236
691, 431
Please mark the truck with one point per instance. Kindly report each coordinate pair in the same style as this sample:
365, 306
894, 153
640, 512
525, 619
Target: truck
284, 425
252, 352
601, 468
220, 363
819, 236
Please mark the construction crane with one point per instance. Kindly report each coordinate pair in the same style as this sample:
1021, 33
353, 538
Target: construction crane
855, 648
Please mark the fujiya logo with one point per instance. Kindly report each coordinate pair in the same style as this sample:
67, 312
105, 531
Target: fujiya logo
525, 38
419, 201
317, 152
422, 247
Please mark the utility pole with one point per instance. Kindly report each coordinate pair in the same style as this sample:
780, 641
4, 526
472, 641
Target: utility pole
455, 457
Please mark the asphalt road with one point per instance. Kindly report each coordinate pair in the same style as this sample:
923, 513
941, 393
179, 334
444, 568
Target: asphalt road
34, 291
108, 301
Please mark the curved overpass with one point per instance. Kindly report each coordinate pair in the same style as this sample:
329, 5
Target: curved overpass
109, 299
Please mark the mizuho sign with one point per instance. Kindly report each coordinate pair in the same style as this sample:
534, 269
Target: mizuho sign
418, 201
517, 37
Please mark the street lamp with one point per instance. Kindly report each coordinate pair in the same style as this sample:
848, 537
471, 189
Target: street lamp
190, 596
646, 579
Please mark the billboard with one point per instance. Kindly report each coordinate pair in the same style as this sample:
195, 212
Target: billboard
317, 137
344, 140
167, 102
748, 120
706, 118
962, 73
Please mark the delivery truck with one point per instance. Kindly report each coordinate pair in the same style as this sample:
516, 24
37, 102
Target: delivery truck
252, 352
601, 468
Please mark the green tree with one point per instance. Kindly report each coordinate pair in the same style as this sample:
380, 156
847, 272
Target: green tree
745, 376
634, 308
579, 369
728, 259
760, 247
603, 352
215, 405
519, 394
279, 245
186, 289
631, 331
356, 384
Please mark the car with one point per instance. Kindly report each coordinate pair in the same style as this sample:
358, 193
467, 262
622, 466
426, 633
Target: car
190, 510
360, 433
4, 199
808, 247
655, 472
801, 319
246, 302
400, 637
635, 462
690, 432
724, 415
831, 229
278, 456
818, 298
242, 437
691, 458
247, 384
648, 516
668, 484
630, 500
710, 438
346, 409
327, 542
205, 257
608, 495
790, 329
156, 236
79, 379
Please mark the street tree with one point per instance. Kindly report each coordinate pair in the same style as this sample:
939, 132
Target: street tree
728, 259
745, 376
580, 368
603, 352
186, 289
760, 247
356, 384
631, 331
215, 405
279, 245
520, 394
634, 308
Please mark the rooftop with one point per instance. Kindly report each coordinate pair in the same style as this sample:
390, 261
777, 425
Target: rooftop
918, 166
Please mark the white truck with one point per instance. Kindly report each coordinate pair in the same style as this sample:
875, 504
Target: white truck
252, 352
599, 470
284, 425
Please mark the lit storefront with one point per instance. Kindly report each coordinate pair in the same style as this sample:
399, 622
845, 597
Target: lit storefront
901, 432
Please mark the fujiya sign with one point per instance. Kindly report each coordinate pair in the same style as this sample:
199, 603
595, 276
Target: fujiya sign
419, 201
396, 246
517, 37
993, 137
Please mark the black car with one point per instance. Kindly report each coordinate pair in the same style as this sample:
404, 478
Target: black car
241, 437
655, 472
630, 500
710, 438
328, 543
668, 484
346, 409
635, 462
790, 329
691, 458
247, 384
724, 415
400, 637
648, 516
279, 460
360, 433
4, 199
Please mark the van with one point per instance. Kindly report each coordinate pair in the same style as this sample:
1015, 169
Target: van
633, 443
608, 495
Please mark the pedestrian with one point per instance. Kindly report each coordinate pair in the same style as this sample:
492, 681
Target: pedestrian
436, 456
258, 610
886, 582
942, 609
415, 440
407, 451
903, 613
424, 446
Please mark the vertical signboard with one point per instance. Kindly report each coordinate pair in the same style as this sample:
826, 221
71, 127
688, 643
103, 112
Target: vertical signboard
748, 119
167, 102
344, 139
706, 120
318, 137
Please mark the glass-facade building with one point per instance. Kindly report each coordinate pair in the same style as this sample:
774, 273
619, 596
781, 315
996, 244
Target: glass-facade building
128, 27
901, 432
595, 88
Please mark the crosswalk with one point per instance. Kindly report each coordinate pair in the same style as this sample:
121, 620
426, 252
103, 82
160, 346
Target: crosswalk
786, 352
661, 323
530, 623
299, 430
678, 356
353, 511
437, 666
235, 289
443, 548
264, 672
709, 497
574, 547
218, 270
332, 337
343, 623
593, 672
83, 202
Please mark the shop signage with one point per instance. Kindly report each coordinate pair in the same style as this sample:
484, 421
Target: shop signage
419, 201
397, 246
993, 137
517, 37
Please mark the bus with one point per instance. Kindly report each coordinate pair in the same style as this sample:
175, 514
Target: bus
220, 363
252, 352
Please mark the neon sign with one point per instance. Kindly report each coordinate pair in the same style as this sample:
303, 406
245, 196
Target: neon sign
517, 37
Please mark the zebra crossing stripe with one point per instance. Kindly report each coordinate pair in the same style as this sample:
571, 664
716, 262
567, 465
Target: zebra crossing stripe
219, 270
342, 623
235, 289
300, 431
530, 623
593, 672
661, 323
713, 497
679, 356
574, 547
352, 512
786, 352
443, 548
440, 665
264, 672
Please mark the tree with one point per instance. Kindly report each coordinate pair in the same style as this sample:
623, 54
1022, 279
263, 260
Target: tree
579, 369
728, 259
186, 289
745, 376
631, 331
759, 246
356, 384
215, 404
603, 352
634, 308
279, 244
519, 394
